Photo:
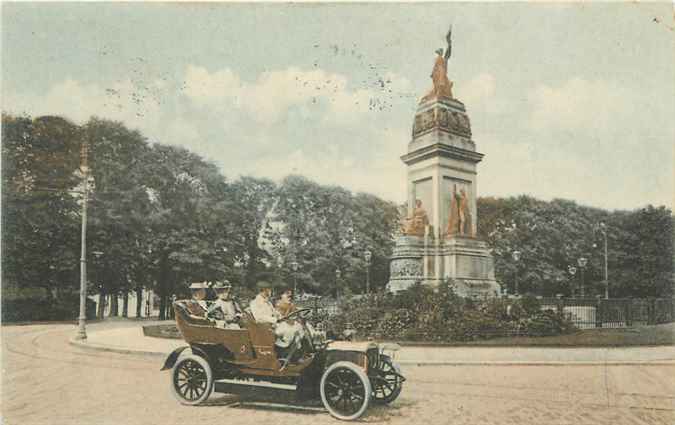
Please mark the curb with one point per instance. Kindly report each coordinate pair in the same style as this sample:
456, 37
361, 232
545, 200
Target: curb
665, 362
110, 349
658, 362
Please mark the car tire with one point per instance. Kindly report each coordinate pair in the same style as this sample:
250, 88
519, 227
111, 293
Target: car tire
191, 380
345, 390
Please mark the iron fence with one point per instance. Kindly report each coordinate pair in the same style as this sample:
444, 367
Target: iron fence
614, 312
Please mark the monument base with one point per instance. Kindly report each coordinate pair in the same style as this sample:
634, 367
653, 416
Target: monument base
465, 261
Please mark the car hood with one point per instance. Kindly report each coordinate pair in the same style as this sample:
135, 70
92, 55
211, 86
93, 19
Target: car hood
351, 345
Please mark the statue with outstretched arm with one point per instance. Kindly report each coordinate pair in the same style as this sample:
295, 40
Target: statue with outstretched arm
439, 75
448, 50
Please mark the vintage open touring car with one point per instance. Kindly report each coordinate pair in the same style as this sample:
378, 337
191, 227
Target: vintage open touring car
346, 376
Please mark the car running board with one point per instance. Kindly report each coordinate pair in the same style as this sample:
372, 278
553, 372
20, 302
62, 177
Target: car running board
255, 388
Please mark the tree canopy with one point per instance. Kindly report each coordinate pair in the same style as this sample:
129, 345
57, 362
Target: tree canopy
161, 216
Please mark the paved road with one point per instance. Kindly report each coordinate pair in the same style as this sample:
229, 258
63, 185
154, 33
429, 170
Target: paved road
47, 381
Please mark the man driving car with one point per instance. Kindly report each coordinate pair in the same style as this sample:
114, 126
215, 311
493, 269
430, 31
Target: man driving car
264, 312
261, 307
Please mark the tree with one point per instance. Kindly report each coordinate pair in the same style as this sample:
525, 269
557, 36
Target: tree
40, 216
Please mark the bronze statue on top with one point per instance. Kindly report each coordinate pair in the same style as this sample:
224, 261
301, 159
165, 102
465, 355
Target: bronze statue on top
439, 75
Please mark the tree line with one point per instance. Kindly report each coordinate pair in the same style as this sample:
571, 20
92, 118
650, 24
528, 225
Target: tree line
552, 236
161, 216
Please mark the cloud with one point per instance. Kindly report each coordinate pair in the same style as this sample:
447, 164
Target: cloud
477, 90
577, 103
269, 98
204, 88
320, 124
77, 101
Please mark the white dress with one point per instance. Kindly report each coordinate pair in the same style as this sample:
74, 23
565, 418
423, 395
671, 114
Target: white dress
226, 307
263, 311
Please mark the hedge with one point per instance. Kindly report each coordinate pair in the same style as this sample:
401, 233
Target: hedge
45, 308
423, 314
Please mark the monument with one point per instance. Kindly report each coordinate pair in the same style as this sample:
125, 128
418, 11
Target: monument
438, 240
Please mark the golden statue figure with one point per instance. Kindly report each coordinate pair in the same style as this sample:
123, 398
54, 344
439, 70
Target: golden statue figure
439, 75
464, 214
459, 220
415, 225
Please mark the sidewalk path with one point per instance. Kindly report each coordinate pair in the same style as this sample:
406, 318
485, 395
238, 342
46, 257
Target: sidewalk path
127, 337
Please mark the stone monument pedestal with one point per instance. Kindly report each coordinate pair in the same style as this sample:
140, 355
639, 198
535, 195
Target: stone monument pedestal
466, 262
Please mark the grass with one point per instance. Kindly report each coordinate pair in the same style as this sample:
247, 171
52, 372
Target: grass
626, 337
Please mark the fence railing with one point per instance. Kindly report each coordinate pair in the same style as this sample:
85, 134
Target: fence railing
614, 312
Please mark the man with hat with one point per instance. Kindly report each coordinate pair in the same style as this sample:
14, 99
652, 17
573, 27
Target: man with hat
224, 308
199, 306
261, 307
288, 338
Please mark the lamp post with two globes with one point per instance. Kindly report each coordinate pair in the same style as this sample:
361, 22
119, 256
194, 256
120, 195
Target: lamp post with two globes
572, 271
582, 262
367, 255
516, 257
294, 266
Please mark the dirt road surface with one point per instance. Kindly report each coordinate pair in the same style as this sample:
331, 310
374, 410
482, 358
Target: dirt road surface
47, 381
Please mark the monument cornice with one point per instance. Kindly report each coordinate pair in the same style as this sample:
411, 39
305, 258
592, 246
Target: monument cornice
442, 150
447, 101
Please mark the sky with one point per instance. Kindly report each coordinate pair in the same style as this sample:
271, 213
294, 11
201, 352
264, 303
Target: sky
573, 101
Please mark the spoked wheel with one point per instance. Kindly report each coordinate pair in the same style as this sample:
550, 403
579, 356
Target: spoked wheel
191, 380
345, 390
386, 381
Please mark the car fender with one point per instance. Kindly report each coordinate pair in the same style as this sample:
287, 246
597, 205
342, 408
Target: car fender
171, 360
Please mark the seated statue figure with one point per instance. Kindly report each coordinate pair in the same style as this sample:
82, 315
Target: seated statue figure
416, 224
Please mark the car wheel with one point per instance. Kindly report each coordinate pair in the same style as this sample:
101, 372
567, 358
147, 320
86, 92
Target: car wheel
386, 383
345, 390
191, 380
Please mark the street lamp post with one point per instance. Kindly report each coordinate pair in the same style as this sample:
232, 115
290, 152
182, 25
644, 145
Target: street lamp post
338, 274
603, 230
294, 267
368, 256
582, 262
572, 271
84, 169
516, 257
242, 271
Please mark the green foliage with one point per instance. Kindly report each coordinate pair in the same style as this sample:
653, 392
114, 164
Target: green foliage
162, 217
423, 314
552, 236
29, 308
324, 228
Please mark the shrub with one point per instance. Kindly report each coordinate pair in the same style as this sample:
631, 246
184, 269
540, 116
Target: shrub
547, 322
44, 308
421, 313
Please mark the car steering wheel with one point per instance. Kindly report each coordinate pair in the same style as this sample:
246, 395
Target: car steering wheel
303, 313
